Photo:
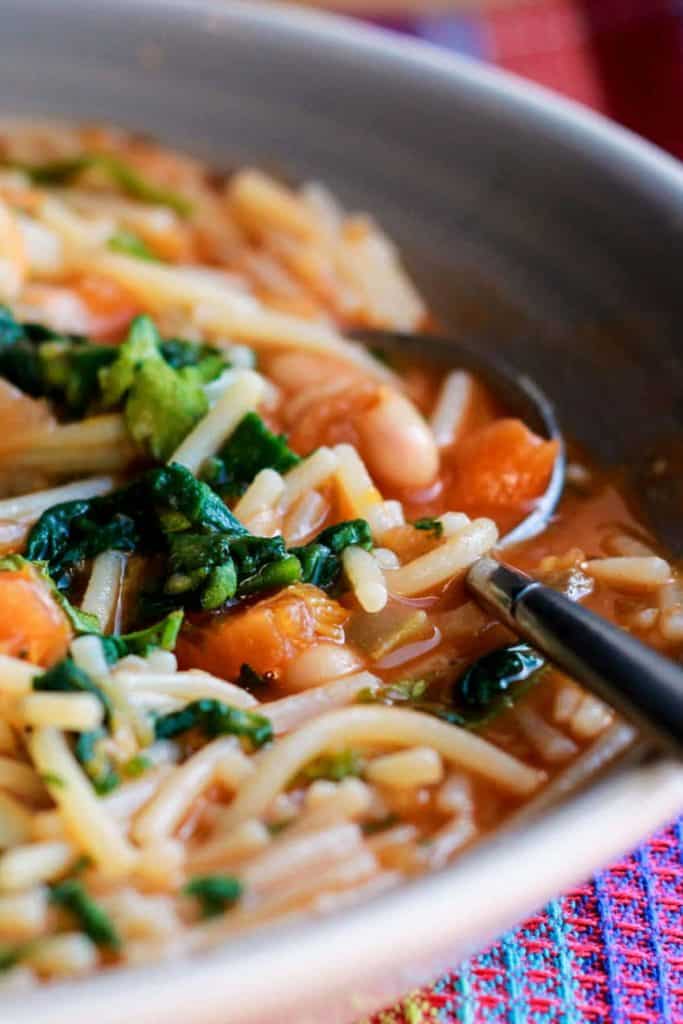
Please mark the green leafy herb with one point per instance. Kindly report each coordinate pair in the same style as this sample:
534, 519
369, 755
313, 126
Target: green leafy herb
130, 245
430, 523
162, 404
320, 559
210, 558
159, 383
52, 779
98, 766
137, 517
95, 922
214, 718
251, 448
495, 681
42, 362
334, 767
190, 504
163, 635
67, 677
10, 956
68, 534
119, 173
215, 893
208, 361
137, 766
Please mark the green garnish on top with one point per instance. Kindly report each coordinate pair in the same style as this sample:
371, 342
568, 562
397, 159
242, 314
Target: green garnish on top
161, 404
333, 767
431, 524
210, 557
251, 448
130, 245
158, 384
492, 683
215, 893
120, 174
160, 636
321, 558
67, 677
95, 922
214, 718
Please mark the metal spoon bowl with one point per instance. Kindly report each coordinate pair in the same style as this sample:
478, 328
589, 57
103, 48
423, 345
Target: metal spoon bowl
641, 684
517, 393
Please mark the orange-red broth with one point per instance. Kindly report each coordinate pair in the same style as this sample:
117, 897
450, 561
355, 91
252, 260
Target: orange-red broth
490, 448
588, 518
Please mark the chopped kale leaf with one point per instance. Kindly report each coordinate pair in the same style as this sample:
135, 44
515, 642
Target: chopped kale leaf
251, 448
214, 718
67, 677
320, 559
431, 524
492, 683
162, 404
163, 635
335, 767
130, 244
160, 384
95, 922
120, 174
215, 893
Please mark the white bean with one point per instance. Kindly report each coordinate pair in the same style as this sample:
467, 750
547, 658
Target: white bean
319, 664
397, 443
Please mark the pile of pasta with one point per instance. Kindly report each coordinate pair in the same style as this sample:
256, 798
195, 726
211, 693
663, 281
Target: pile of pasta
240, 679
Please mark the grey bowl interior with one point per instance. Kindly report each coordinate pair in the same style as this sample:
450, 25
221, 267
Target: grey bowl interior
531, 227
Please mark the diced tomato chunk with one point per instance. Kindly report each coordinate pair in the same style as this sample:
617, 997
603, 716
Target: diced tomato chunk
32, 625
500, 469
110, 307
264, 636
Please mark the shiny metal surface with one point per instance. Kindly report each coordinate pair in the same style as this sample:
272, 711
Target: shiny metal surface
645, 687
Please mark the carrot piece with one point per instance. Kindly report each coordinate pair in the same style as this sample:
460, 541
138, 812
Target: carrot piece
501, 468
32, 625
264, 636
110, 307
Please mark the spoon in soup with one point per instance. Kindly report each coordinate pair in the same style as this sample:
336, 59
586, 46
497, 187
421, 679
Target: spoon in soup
641, 684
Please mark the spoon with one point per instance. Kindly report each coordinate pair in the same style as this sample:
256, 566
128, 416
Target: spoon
642, 685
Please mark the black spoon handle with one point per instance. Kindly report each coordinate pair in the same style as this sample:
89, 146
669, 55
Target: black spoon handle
641, 684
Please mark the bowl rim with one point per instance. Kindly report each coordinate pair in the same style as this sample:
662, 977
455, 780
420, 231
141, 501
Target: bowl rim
295, 954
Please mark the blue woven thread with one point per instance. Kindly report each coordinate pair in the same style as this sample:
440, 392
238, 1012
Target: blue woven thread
514, 979
611, 956
466, 1006
564, 963
655, 936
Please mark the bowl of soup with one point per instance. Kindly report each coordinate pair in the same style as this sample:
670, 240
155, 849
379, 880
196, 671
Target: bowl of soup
252, 726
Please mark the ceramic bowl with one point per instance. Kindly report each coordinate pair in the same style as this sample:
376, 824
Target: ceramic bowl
533, 227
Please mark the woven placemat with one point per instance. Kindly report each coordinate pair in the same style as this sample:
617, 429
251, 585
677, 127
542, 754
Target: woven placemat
611, 950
